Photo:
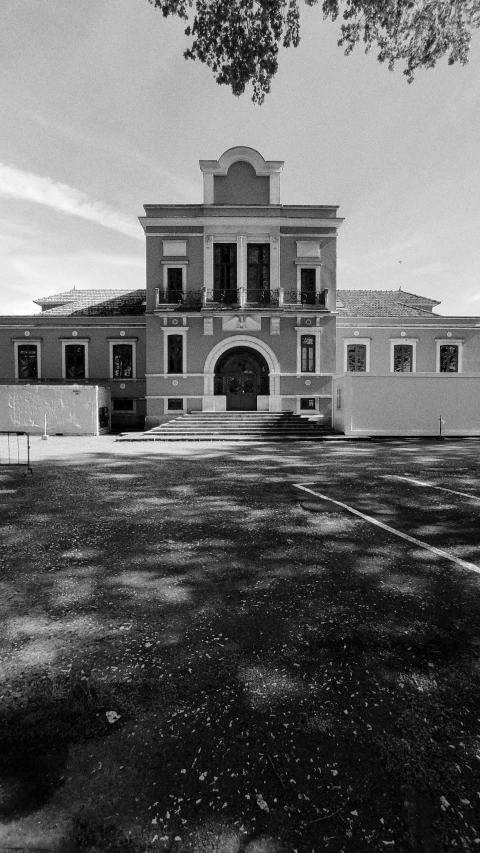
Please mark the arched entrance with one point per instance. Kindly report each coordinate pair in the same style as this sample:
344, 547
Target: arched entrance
241, 374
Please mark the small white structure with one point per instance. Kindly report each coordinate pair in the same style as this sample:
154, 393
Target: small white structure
405, 404
55, 409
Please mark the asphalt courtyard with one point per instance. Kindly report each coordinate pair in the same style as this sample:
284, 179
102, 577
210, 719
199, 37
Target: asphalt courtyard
240, 648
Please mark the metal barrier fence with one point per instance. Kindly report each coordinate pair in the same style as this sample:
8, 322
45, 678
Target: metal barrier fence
15, 449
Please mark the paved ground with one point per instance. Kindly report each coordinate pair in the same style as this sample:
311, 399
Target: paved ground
199, 656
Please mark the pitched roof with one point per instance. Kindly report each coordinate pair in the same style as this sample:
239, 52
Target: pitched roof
91, 303
383, 303
350, 303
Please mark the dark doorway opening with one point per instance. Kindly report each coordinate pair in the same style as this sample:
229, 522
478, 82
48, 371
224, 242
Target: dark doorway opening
241, 374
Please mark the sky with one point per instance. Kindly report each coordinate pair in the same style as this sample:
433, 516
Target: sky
101, 114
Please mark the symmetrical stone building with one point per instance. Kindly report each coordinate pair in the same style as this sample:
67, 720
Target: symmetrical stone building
241, 312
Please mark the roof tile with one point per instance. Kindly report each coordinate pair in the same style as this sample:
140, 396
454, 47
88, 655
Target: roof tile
350, 303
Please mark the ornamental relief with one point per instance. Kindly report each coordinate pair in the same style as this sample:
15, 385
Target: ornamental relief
241, 323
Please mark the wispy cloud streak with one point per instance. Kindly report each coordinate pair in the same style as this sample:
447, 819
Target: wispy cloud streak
26, 186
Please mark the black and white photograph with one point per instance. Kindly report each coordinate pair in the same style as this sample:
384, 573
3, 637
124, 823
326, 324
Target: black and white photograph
239, 426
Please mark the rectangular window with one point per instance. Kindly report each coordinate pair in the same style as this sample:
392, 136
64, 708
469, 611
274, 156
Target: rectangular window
258, 266
27, 355
122, 356
75, 361
175, 354
339, 398
123, 405
356, 358
225, 271
307, 347
175, 283
449, 359
307, 403
403, 358
307, 286
174, 404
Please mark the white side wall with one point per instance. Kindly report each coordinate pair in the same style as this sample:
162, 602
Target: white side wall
407, 404
71, 411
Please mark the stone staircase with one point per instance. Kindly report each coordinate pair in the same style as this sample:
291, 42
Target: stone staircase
235, 426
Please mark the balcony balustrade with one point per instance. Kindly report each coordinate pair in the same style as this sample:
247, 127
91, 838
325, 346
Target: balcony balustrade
295, 297
222, 297
191, 299
242, 297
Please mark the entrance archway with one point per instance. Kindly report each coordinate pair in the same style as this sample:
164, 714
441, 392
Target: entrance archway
241, 375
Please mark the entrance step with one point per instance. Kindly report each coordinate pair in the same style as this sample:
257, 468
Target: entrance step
236, 426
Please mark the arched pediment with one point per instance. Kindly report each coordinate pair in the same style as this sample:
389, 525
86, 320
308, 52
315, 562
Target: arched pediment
220, 186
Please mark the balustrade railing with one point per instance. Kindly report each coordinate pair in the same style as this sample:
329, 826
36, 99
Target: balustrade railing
189, 299
240, 298
295, 297
261, 297
223, 297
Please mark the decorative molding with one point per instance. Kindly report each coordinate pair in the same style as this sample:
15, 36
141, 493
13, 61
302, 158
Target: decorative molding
123, 342
308, 249
34, 342
208, 326
410, 342
314, 332
449, 342
241, 323
175, 248
247, 341
241, 153
238, 221
77, 342
366, 343
274, 325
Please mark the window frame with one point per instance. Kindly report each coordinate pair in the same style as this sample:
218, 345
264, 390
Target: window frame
28, 342
236, 266
175, 265
411, 342
75, 342
180, 408
308, 348
242, 240
173, 330
131, 400
305, 265
115, 342
307, 408
315, 331
264, 244
349, 342
449, 342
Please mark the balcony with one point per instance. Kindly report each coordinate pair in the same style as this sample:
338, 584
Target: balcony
240, 298
191, 300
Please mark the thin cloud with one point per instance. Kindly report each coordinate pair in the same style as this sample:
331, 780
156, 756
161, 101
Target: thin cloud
25, 186
181, 187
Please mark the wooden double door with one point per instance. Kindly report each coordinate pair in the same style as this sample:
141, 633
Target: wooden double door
241, 375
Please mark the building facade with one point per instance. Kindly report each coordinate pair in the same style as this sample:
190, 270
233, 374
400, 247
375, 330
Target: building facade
241, 313
241, 295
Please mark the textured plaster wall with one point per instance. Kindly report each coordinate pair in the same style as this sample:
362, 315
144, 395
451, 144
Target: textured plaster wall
72, 412
241, 186
426, 342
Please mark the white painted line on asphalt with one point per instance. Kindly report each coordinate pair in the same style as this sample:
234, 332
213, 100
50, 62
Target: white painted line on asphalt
470, 566
430, 485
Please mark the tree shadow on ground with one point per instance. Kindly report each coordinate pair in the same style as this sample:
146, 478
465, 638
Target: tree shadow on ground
280, 672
